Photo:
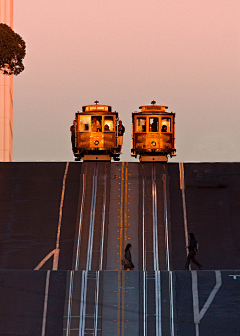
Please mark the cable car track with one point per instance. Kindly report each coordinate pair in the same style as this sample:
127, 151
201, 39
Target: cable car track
155, 251
90, 276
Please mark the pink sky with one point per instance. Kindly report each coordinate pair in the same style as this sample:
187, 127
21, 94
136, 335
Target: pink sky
183, 54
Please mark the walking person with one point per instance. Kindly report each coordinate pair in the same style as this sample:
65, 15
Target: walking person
127, 262
192, 249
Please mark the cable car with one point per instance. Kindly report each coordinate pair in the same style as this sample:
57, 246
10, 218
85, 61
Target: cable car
95, 134
153, 133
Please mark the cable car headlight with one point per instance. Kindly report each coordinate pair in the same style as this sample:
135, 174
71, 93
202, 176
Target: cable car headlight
96, 142
153, 143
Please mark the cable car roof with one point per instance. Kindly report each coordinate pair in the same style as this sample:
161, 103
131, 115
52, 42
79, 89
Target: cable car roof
153, 108
97, 108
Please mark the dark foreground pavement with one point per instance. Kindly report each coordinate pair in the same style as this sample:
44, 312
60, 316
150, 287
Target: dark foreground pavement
211, 304
181, 303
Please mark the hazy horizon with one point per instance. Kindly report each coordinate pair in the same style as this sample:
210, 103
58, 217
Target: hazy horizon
183, 54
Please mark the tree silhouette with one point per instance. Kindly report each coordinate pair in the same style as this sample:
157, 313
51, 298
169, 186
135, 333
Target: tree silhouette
12, 51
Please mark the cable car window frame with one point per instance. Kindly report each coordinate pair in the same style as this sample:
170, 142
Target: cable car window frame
168, 124
137, 125
98, 129
157, 129
111, 129
82, 125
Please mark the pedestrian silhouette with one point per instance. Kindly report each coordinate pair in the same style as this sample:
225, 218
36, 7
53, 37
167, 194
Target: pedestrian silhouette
127, 261
192, 249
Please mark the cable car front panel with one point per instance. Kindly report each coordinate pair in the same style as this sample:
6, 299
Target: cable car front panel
96, 133
153, 133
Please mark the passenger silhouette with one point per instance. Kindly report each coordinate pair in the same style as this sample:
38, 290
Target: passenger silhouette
73, 130
164, 128
106, 127
154, 125
121, 130
96, 125
192, 249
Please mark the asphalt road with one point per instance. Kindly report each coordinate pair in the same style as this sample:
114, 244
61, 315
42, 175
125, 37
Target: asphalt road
63, 230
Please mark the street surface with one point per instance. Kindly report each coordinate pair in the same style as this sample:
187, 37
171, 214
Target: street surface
63, 230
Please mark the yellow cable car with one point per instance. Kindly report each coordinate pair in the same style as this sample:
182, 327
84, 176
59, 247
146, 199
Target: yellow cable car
95, 134
153, 133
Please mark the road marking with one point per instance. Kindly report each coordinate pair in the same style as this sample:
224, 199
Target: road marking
155, 254
92, 220
103, 217
123, 301
199, 315
167, 248
154, 211
70, 303
118, 304
80, 223
57, 251
83, 303
44, 260
182, 187
45, 304
121, 217
234, 276
144, 259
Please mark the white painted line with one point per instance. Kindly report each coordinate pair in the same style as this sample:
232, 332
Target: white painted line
154, 210
80, 223
234, 276
182, 187
70, 303
44, 260
168, 254
155, 255
96, 305
45, 304
158, 304
166, 222
92, 220
103, 222
144, 265
199, 315
56, 255
171, 306
83, 304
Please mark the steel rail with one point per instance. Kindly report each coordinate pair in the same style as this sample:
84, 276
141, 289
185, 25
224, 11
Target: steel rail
144, 263
83, 303
167, 251
103, 219
92, 219
101, 252
154, 210
155, 253
69, 313
89, 256
80, 223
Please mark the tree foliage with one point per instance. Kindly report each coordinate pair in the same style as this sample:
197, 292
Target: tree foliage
12, 51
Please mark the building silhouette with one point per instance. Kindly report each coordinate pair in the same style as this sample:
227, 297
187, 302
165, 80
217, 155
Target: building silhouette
6, 94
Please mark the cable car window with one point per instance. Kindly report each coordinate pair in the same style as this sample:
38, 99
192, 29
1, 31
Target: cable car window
166, 125
153, 124
96, 124
140, 125
108, 124
84, 123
